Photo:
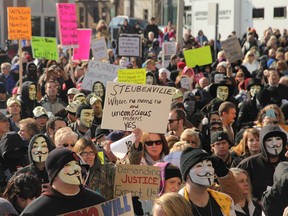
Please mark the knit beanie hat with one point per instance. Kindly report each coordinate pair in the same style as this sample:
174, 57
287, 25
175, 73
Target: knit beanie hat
57, 159
190, 157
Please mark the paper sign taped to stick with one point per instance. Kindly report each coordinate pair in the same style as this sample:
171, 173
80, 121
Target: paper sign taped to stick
121, 206
128, 106
200, 56
67, 24
99, 49
139, 180
129, 46
83, 51
98, 71
134, 76
232, 49
45, 47
19, 23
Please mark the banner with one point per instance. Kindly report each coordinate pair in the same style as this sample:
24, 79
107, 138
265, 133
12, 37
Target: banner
139, 180
168, 49
121, 206
67, 24
99, 49
45, 47
200, 56
134, 76
129, 46
83, 51
232, 49
98, 71
19, 23
128, 106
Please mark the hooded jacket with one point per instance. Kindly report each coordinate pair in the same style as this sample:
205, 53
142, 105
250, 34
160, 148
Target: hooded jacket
259, 167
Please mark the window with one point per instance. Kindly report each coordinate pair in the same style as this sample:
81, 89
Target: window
50, 26
145, 14
81, 14
280, 12
258, 13
36, 26
95, 15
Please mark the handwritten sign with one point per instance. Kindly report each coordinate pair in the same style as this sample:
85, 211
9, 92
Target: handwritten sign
139, 180
98, 71
121, 206
135, 76
128, 106
200, 56
185, 83
84, 39
45, 47
19, 23
232, 49
129, 46
67, 24
99, 49
168, 49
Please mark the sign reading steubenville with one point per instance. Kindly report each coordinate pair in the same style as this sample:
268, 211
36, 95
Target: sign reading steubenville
139, 180
128, 106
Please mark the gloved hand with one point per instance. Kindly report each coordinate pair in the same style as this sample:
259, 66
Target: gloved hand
220, 168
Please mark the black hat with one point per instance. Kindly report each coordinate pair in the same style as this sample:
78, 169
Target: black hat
191, 156
80, 108
115, 136
253, 81
214, 86
171, 172
57, 159
188, 95
101, 132
219, 136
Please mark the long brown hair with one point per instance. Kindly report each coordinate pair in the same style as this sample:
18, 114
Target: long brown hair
165, 148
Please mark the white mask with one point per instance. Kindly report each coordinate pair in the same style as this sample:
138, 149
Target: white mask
71, 173
222, 92
254, 90
149, 80
202, 173
32, 92
39, 150
274, 145
86, 117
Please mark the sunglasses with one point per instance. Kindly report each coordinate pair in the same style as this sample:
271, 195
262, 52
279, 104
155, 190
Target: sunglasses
151, 142
172, 120
65, 145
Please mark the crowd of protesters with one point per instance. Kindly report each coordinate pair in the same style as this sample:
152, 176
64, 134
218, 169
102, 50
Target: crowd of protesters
226, 137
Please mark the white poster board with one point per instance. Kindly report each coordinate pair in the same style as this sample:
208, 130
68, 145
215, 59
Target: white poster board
168, 49
129, 46
98, 71
99, 49
128, 106
232, 49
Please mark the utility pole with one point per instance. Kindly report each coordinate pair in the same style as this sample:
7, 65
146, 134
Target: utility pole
179, 30
216, 30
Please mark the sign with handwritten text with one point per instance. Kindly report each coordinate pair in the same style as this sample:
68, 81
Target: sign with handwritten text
168, 49
200, 56
232, 49
45, 47
99, 49
128, 106
139, 180
129, 46
19, 23
83, 51
67, 24
121, 206
135, 76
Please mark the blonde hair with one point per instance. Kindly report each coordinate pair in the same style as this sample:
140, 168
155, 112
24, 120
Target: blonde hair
64, 133
190, 132
246, 59
173, 204
179, 146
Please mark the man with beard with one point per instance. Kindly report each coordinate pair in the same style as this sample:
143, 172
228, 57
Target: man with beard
67, 193
96, 104
176, 122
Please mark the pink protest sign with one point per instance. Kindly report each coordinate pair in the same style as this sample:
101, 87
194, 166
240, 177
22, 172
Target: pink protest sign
84, 39
67, 24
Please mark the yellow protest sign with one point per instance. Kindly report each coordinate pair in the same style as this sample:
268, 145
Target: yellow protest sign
133, 76
45, 47
19, 23
200, 56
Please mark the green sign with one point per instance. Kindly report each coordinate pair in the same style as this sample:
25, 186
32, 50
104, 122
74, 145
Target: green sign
45, 47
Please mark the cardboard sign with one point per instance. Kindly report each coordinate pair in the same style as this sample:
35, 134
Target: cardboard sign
128, 106
45, 47
134, 76
83, 51
185, 83
200, 56
129, 46
168, 49
121, 206
232, 49
67, 24
99, 49
19, 23
98, 71
139, 180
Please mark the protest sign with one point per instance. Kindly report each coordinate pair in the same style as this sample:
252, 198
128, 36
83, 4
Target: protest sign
98, 71
128, 106
134, 76
121, 206
185, 83
129, 46
45, 47
19, 23
99, 49
232, 49
67, 24
200, 56
168, 49
121, 147
83, 51
139, 180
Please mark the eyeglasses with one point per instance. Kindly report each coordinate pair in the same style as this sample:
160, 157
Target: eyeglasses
172, 120
151, 142
65, 145
85, 154
216, 129
191, 142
